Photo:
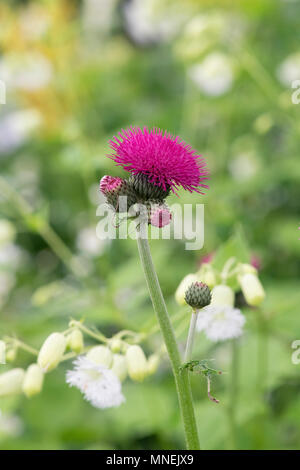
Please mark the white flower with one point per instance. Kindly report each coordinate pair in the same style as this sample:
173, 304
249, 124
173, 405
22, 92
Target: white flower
214, 75
289, 69
220, 322
100, 386
89, 243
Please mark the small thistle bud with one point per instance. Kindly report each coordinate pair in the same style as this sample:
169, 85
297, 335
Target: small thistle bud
2, 352
116, 345
119, 366
11, 354
52, 351
113, 188
153, 362
147, 190
75, 341
252, 289
101, 355
11, 382
185, 283
136, 363
33, 381
159, 215
198, 295
222, 295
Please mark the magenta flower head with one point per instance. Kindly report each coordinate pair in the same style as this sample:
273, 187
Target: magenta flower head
113, 188
161, 159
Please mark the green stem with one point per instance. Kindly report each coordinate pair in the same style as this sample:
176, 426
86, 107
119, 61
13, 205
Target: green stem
191, 336
181, 377
233, 394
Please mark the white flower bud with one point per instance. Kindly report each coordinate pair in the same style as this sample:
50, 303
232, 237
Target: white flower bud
52, 351
209, 278
252, 289
33, 381
136, 363
2, 352
75, 341
181, 289
101, 355
153, 362
7, 231
247, 269
222, 295
11, 382
119, 366
11, 354
116, 345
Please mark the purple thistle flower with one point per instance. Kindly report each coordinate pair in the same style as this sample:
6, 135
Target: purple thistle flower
166, 161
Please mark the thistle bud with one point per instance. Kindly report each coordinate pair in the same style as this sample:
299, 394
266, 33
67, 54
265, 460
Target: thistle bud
198, 295
153, 362
113, 188
147, 190
159, 215
136, 363
52, 351
100, 355
11, 382
116, 345
33, 381
181, 289
75, 341
119, 366
252, 289
222, 295
2, 352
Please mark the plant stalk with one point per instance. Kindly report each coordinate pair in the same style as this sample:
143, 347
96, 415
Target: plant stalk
181, 376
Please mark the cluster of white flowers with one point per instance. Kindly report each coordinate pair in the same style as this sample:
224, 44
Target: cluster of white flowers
221, 322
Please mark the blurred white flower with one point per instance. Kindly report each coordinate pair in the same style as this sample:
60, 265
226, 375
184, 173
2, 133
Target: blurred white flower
99, 385
244, 166
7, 231
289, 69
10, 425
220, 322
29, 71
11, 256
214, 75
147, 21
97, 15
89, 243
16, 127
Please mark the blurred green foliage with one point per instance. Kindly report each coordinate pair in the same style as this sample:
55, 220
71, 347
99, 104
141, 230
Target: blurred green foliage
84, 74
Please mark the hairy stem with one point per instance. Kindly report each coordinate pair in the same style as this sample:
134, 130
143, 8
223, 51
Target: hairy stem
181, 377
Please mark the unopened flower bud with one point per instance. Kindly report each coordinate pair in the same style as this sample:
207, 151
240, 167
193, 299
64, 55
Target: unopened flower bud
11, 382
247, 269
136, 363
75, 341
222, 295
159, 215
119, 366
153, 362
52, 351
33, 380
207, 275
252, 289
101, 355
114, 188
181, 289
11, 354
198, 295
2, 352
116, 345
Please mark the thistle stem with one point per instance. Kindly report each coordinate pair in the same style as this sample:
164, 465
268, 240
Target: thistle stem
191, 336
181, 377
